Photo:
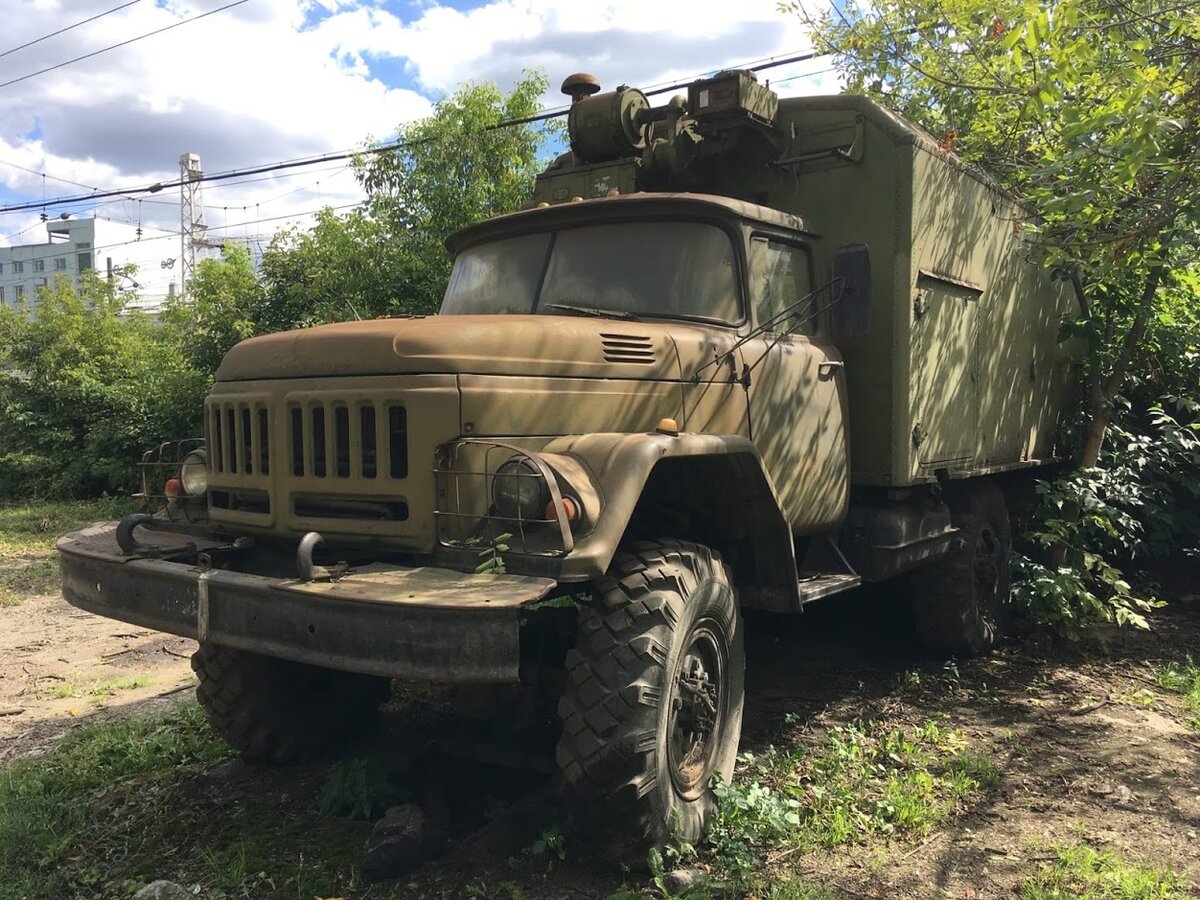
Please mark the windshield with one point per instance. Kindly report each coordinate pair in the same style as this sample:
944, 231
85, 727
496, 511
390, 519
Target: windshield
642, 269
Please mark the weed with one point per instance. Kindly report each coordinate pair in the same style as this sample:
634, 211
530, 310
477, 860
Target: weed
864, 781
1183, 679
551, 842
117, 805
358, 788
976, 767
98, 688
1084, 872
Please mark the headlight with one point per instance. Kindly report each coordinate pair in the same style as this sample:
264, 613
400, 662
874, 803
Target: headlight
194, 473
519, 490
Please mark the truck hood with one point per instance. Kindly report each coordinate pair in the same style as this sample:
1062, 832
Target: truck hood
564, 346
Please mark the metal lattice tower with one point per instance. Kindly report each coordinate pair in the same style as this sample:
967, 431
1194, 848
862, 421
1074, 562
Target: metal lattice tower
192, 230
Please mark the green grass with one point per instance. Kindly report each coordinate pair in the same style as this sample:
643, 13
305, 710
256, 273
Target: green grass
30, 529
1084, 873
98, 688
27, 535
115, 806
864, 781
1183, 679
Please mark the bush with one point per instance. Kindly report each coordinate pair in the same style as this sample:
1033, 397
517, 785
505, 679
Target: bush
90, 386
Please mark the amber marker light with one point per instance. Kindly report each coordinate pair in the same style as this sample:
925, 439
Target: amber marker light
173, 487
569, 507
667, 426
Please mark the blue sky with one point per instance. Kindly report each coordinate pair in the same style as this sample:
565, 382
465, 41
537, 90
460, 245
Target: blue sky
279, 79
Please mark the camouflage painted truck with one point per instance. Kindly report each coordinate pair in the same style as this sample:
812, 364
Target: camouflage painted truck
737, 353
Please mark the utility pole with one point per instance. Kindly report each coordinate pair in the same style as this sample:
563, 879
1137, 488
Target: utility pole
192, 229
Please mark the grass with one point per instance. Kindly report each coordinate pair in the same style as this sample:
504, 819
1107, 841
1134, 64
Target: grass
117, 805
27, 535
864, 781
1084, 873
99, 687
30, 529
1183, 679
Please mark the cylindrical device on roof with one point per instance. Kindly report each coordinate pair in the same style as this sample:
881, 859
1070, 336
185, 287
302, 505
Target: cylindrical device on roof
608, 126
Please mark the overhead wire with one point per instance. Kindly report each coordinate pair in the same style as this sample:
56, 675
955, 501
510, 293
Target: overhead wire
196, 18
367, 151
46, 37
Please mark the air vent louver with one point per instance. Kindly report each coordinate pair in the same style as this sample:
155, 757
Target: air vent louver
628, 348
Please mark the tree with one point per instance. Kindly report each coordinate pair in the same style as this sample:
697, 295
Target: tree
455, 168
225, 299
388, 258
1087, 109
90, 386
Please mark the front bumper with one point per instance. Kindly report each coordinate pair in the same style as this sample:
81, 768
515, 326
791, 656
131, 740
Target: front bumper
419, 624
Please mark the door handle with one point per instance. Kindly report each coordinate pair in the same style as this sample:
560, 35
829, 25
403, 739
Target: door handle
828, 365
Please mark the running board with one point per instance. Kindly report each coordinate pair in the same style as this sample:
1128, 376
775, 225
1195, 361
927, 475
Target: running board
815, 585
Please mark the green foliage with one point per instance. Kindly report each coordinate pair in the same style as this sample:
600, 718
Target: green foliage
90, 386
53, 804
358, 788
1183, 679
1087, 111
452, 170
493, 556
1084, 873
1142, 501
864, 781
115, 806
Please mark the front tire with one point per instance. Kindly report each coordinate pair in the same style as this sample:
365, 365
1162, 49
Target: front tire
652, 710
279, 711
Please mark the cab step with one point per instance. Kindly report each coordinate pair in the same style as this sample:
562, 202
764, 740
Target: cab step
815, 585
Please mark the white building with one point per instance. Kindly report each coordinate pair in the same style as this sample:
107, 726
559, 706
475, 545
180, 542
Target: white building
75, 245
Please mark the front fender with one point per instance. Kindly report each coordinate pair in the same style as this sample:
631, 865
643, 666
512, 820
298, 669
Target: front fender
720, 478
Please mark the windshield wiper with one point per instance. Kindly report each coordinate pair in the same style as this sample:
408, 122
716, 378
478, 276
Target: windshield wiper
592, 311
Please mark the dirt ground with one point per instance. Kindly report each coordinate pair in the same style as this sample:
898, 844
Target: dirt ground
61, 667
1088, 747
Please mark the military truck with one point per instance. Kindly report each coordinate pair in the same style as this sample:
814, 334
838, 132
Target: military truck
737, 353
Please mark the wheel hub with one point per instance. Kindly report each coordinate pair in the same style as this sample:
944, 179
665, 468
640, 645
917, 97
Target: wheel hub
696, 711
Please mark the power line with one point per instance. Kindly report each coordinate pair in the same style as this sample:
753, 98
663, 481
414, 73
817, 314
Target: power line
123, 43
45, 37
368, 151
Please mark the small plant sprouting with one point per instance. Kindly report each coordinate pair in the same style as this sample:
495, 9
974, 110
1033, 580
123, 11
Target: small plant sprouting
493, 556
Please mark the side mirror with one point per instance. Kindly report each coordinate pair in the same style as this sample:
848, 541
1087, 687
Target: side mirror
852, 308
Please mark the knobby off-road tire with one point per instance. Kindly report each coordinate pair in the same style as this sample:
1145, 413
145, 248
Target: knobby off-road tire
652, 708
279, 711
962, 602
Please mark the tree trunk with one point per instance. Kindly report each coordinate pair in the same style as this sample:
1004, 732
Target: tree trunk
1103, 391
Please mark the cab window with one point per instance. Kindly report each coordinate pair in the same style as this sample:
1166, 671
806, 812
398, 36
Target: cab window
780, 276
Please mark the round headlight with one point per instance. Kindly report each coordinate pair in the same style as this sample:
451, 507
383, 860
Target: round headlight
194, 473
519, 490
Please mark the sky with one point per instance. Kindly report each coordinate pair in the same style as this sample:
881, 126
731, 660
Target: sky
272, 80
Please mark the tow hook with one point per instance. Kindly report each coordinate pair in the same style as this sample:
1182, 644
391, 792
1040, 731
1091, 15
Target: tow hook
131, 546
307, 569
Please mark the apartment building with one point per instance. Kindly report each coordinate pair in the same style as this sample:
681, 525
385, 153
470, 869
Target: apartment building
73, 246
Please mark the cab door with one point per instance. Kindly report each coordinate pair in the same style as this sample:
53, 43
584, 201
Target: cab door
797, 387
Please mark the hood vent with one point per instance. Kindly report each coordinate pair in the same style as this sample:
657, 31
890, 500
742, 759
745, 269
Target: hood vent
628, 348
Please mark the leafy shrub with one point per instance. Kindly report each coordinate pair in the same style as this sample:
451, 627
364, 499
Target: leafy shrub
1139, 503
90, 386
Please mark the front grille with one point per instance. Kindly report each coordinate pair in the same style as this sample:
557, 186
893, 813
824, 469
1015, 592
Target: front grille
239, 438
340, 440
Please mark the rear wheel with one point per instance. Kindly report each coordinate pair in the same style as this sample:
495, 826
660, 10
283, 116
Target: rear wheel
279, 711
962, 601
652, 710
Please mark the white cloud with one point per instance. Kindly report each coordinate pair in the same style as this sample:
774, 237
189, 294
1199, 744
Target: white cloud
278, 79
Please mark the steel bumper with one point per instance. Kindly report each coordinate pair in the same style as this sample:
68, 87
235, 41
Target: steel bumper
421, 624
